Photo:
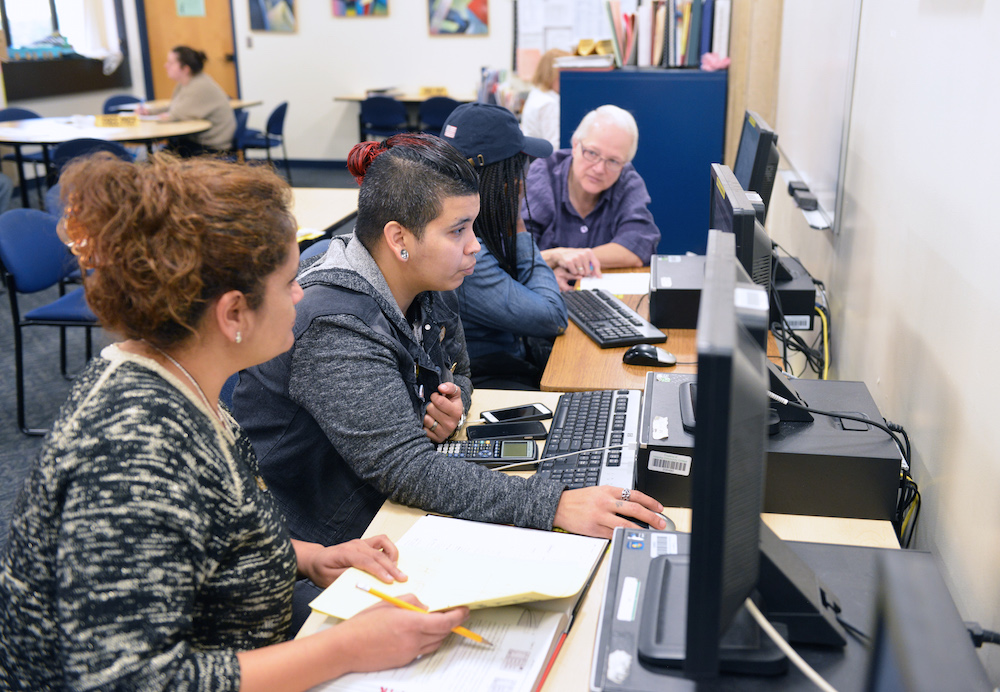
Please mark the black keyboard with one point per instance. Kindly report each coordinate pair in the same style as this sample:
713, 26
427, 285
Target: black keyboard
609, 321
589, 420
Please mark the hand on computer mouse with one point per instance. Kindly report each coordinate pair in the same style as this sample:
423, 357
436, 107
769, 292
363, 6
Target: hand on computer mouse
650, 355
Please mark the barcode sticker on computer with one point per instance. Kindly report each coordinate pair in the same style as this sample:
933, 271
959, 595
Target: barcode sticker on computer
798, 322
664, 462
663, 544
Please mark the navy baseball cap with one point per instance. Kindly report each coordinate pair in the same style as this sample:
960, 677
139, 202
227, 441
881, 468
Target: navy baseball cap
485, 134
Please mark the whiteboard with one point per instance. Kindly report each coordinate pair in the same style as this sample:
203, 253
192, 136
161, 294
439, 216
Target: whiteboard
815, 83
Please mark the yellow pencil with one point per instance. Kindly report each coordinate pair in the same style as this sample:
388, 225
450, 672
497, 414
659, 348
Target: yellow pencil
467, 633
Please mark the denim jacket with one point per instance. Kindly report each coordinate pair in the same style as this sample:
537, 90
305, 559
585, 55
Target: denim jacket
497, 310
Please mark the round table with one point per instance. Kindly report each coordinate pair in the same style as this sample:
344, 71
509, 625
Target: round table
46, 132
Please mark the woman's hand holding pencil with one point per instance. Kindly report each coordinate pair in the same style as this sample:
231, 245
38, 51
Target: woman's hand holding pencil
467, 633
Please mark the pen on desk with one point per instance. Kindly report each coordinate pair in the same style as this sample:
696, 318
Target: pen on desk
467, 633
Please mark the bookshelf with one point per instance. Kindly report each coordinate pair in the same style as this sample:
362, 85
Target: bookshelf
681, 115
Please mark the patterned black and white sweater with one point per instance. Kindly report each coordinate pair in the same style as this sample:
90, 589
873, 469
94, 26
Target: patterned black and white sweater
144, 551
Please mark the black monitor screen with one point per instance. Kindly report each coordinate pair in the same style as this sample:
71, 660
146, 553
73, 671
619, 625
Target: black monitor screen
757, 157
727, 485
732, 212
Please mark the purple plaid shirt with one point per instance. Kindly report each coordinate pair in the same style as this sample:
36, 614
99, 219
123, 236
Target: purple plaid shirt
621, 215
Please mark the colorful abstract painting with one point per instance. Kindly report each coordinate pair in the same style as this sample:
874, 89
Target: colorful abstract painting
272, 15
459, 17
360, 8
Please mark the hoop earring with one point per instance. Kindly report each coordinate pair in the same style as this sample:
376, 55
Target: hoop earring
239, 337
404, 255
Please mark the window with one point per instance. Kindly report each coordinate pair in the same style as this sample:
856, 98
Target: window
96, 60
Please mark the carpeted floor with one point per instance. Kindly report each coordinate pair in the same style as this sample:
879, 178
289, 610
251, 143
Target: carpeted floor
46, 388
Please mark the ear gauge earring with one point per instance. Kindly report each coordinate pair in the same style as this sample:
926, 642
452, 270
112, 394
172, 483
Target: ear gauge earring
239, 337
404, 255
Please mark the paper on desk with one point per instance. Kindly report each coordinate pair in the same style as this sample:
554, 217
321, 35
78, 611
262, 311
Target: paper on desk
307, 234
521, 640
625, 284
452, 562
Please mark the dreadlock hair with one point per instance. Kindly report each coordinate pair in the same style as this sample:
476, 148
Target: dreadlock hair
500, 184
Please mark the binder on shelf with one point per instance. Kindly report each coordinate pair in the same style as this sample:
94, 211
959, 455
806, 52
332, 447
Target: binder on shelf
644, 31
720, 30
707, 21
612, 8
693, 57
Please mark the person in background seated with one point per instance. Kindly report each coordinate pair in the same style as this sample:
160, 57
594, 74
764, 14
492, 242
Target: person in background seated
587, 207
510, 306
379, 371
197, 97
145, 552
540, 114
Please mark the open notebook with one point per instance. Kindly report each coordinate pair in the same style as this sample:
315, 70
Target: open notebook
489, 568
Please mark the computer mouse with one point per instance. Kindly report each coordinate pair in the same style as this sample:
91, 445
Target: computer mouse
671, 526
648, 354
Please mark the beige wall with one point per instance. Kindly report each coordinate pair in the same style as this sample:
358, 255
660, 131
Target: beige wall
912, 274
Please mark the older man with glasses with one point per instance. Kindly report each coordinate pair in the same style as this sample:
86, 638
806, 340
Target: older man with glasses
587, 207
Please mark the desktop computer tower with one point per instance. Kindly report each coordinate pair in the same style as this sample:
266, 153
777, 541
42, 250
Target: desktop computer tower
675, 283
675, 292
822, 468
796, 292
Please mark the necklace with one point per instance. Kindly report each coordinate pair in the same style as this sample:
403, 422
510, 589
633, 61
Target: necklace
217, 410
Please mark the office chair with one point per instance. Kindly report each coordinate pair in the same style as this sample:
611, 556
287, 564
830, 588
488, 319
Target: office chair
32, 259
382, 116
35, 157
317, 248
112, 103
433, 113
272, 136
67, 151
237, 147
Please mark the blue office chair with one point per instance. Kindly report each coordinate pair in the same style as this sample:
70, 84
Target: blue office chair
382, 116
67, 151
272, 136
32, 259
34, 157
112, 103
317, 248
239, 137
433, 113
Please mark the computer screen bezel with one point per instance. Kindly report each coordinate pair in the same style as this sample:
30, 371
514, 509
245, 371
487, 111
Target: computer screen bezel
732, 211
757, 157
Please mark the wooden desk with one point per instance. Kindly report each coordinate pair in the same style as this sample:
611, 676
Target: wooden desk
161, 105
579, 364
319, 209
571, 670
50, 131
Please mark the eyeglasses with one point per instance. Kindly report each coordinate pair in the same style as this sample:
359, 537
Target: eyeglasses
591, 156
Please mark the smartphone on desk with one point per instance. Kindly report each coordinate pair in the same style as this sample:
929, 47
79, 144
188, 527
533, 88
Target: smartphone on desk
520, 430
517, 413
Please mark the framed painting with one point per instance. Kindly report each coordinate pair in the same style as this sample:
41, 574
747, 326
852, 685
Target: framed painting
360, 8
459, 17
272, 15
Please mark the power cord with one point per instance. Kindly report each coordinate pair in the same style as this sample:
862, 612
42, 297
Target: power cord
786, 648
981, 636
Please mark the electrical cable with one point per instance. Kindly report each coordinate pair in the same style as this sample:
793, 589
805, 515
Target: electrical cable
787, 649
826, 345
516, 465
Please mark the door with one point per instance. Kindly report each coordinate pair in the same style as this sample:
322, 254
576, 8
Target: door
212, 33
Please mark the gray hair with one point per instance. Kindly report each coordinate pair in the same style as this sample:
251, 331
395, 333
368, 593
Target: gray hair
609, 115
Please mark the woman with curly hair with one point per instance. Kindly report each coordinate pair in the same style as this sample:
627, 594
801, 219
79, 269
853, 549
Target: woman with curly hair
146, 551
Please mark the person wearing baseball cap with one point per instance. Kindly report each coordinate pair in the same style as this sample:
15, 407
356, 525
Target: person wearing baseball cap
510, 306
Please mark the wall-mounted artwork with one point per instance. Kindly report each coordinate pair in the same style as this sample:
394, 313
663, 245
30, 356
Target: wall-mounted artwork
459, 17
360, 8
272, 15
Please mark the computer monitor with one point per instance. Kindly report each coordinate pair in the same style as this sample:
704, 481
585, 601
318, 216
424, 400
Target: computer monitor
733, 554
732, 211
920, 642
757, 158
